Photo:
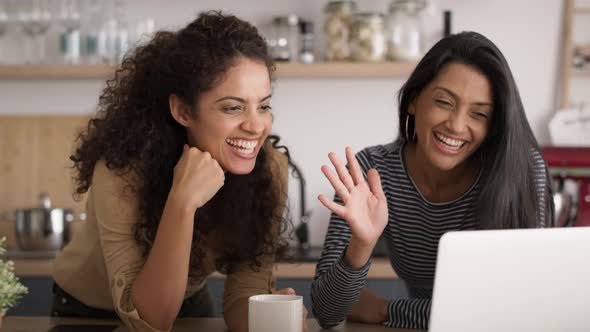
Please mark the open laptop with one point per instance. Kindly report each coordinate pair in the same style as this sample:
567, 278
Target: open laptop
513, 281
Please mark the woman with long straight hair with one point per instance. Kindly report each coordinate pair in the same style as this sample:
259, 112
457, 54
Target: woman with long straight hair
465, 159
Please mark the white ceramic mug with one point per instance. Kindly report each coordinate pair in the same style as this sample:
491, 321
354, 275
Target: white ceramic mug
275, 312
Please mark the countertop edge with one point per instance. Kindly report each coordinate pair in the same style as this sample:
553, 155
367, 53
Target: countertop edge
380, 269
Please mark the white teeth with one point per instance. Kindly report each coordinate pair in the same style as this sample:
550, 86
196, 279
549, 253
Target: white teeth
452, 143
244, 146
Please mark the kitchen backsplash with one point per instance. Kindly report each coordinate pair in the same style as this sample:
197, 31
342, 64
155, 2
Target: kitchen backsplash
34, 158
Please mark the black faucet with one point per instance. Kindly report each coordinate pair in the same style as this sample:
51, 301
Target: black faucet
302, 230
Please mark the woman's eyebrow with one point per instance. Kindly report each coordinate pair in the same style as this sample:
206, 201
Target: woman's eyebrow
241, 100
454, 95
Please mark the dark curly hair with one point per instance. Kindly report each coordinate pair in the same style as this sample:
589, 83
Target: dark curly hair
134, 132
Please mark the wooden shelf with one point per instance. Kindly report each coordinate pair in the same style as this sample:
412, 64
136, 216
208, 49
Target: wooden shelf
582, 10
55, 72
345, 69
297, 70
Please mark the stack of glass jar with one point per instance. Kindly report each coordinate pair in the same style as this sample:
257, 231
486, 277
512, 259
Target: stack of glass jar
371, 36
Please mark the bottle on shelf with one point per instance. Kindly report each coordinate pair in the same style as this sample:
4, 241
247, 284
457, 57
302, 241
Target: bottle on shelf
69, 37
105, 32
447, 23
93, 33
306, 54
122, 32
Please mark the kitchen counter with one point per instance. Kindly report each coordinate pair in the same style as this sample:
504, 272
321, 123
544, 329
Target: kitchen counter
54, 324
41, 266
35, 273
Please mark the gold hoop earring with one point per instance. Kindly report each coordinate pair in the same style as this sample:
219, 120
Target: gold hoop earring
408, 130
407, 135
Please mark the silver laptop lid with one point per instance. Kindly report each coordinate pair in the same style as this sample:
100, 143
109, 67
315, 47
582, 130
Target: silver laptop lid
513, 280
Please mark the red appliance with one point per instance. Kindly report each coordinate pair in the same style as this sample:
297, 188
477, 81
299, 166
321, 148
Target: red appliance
572, 163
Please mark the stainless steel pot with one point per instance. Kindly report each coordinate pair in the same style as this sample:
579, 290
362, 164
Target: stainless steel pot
42, 228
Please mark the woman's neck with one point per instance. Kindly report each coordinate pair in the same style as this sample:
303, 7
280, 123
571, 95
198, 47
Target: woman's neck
438, 185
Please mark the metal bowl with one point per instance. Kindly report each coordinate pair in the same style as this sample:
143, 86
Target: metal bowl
42, 229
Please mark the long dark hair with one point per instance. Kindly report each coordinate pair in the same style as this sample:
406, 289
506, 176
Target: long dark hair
509, 194
134, 132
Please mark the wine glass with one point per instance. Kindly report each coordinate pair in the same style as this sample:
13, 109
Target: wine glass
35, 19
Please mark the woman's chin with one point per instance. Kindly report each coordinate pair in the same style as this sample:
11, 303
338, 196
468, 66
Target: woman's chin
239, 169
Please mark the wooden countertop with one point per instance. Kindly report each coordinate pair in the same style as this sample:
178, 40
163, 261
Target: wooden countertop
54, 324
380, 269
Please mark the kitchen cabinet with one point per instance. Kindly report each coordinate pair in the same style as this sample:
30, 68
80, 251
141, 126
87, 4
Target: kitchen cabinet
291, 70
37, 302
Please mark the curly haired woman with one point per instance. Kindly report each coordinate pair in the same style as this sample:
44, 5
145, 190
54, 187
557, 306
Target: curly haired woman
183, 180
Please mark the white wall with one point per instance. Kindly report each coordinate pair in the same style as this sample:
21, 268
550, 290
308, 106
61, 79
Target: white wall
315, 116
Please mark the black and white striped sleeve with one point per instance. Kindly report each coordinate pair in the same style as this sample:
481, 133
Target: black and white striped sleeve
543, 190
336, 286
409, 313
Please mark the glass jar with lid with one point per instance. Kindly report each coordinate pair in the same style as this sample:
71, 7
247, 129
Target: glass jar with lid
338, 16
283, 38
368, 37
404, 30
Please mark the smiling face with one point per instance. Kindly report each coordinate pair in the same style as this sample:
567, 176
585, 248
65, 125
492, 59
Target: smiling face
452, 115
234, 118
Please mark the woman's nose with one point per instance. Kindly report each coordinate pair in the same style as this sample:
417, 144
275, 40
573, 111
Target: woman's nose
254, 123
456, 121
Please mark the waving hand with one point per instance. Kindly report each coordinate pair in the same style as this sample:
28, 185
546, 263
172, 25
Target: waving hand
365, 205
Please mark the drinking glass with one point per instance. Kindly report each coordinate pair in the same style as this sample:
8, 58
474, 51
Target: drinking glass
69, 19
35, 18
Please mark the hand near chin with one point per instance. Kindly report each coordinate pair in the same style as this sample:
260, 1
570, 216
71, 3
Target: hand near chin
197, 178
365, 204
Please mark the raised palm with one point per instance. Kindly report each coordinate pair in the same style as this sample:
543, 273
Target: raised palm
365, 205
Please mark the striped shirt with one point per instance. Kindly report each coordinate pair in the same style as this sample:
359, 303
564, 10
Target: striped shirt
412, 234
